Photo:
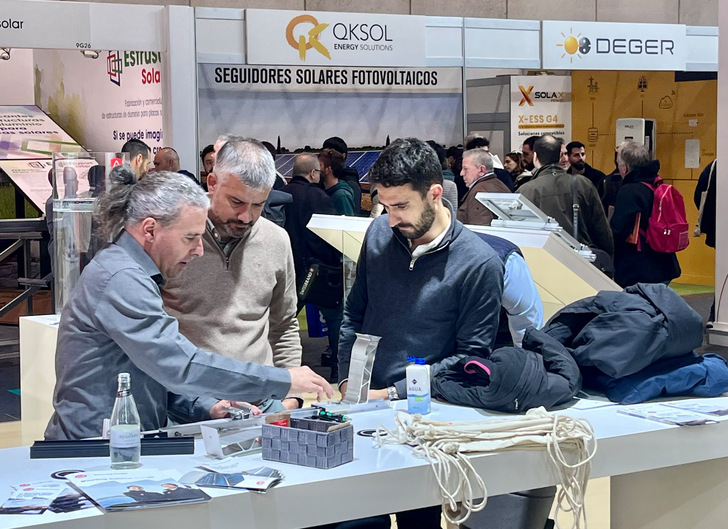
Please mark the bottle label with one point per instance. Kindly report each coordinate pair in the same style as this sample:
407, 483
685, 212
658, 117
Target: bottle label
418, 388
126, 436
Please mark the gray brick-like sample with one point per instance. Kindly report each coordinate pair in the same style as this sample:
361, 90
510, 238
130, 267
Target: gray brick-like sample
306, 442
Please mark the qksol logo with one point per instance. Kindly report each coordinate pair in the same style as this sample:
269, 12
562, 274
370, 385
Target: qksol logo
579, 45
303, 33
310, 40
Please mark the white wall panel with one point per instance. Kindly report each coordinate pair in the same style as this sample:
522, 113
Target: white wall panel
16, 79
135, 27
498, 43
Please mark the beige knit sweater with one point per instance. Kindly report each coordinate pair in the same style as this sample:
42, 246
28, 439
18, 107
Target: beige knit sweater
244, 307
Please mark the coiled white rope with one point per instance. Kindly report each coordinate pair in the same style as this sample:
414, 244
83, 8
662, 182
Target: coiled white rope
570, 443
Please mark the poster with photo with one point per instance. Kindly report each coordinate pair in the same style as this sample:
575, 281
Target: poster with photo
304, 105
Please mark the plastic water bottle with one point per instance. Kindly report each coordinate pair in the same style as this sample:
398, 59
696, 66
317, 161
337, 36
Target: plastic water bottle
125, 446
418, 386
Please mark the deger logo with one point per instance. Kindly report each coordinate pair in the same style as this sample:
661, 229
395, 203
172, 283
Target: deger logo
574, 45
526, 92
303, 43
578, 45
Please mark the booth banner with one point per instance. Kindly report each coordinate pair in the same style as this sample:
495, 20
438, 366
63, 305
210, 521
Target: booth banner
39, 24
334, 39
26, 132
540, 104
321, 79
305, 114
613, 46
106, 101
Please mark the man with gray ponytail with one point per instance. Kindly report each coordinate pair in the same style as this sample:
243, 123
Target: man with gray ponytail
114, 321
240, 298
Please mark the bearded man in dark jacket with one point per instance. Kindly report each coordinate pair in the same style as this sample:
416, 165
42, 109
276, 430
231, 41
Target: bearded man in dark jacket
554, 192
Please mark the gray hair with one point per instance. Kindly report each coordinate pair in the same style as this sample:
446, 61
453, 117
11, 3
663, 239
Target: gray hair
480, 157
249, 160
160, 195
633, 155
224, 138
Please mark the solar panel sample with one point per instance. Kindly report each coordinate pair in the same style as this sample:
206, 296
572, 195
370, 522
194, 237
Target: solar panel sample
361, 160
284, 164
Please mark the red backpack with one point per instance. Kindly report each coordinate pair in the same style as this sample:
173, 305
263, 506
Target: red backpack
667, 229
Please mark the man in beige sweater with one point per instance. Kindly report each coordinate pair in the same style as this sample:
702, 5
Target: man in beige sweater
239, 298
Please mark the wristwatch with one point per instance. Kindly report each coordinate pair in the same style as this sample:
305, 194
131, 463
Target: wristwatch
392, 393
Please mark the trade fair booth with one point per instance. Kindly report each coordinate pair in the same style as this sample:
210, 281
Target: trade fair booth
76, 91
234, 70
62, 93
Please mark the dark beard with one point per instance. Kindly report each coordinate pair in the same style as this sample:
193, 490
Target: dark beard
579, 166
422, 226
231, 229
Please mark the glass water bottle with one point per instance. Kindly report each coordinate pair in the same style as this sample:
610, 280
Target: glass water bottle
125, 445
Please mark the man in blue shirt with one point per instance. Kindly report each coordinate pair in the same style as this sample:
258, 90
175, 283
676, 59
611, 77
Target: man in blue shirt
114, 321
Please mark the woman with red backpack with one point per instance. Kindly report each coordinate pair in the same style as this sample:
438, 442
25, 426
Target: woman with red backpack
635, 260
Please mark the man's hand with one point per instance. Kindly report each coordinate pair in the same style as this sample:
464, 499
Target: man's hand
373, 393
303, 380
291, 403
218, 410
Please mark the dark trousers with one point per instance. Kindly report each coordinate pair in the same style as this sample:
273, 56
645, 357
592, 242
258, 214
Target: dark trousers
333, 319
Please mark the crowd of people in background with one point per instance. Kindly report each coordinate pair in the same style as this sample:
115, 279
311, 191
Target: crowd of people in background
546, 170
258, 216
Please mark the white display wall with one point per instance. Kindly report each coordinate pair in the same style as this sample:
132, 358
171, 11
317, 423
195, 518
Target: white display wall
16, 78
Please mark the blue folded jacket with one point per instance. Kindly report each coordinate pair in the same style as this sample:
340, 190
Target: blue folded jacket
686, 375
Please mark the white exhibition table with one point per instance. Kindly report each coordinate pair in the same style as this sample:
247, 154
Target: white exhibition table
662, 477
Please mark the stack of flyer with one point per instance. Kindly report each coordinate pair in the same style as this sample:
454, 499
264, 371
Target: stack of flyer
231, 473
32, 498
119, 490
41, 496
688, 412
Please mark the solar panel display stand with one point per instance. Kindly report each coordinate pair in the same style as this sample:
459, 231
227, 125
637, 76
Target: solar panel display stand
516, 211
